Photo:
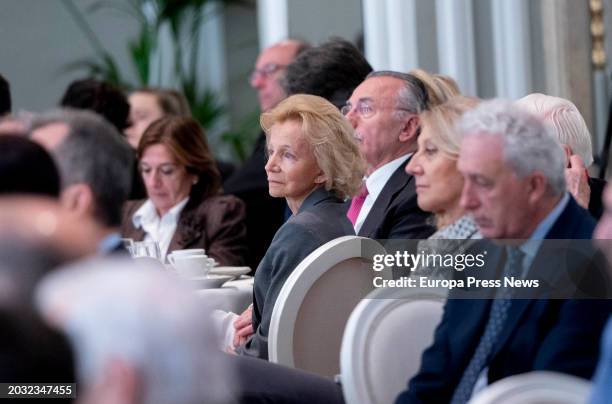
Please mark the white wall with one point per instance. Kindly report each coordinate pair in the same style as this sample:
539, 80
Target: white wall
317, 20
38, 38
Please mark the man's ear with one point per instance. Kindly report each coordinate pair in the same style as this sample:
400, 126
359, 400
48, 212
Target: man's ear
410, 129
568, 152
78, 199
537, 185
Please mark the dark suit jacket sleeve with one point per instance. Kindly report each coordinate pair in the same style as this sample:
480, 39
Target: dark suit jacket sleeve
411, 222
557, 354
226, 231
292, 244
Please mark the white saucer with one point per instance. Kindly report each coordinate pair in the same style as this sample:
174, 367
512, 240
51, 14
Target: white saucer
231, 271
208, 281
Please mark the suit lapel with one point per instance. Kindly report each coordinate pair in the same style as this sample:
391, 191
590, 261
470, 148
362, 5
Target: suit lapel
137, 234
186, 233
551, 260
547, 267
396, 183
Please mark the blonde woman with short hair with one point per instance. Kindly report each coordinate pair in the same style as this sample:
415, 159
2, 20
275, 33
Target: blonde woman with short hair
315, 164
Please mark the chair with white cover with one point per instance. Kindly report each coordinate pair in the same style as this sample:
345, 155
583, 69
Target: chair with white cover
316, 300
539, 387
384, 340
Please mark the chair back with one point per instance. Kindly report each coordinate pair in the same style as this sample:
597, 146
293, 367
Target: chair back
539, 387
315, 302
383, 342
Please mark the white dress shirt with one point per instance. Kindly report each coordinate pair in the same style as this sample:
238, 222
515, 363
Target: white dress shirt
375, 183
156, 228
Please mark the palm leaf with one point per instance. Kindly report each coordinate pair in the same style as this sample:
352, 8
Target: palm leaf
140, 52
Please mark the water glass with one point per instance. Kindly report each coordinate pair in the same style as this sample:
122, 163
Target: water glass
146, 249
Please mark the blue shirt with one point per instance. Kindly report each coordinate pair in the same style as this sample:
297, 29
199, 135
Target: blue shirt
602, 382
109, 243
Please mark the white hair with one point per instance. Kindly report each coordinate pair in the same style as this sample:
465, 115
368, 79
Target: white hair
118, 308
565, 121
528, 146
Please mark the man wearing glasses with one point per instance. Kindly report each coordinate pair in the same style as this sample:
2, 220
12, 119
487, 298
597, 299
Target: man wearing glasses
265, 78
384, 112
249, 183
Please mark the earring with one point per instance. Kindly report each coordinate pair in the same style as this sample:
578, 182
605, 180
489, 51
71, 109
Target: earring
195, 181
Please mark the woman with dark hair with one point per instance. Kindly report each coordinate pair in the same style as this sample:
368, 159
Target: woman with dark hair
184, 208
150, 104
26, 168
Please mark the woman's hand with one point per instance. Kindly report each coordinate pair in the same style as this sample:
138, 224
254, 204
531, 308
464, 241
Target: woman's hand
244, 327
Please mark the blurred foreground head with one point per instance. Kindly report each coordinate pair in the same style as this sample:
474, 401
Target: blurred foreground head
36, 235
140, 335
26, 168
100, 97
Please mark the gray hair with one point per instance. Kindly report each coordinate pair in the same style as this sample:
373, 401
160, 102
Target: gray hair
528, 146
125, 309
93, 153
565, 122
412, 96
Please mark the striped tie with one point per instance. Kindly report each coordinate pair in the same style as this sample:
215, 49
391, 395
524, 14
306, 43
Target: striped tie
497, 317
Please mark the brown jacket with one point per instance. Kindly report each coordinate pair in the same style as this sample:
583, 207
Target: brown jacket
215, 224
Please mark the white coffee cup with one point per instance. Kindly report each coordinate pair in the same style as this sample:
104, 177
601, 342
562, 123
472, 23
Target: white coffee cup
191, 266
183, 253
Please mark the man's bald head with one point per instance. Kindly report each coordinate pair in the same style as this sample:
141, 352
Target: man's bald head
269, 69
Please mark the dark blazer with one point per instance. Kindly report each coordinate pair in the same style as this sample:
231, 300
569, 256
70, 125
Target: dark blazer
264, 214
320, 219
395, 213
595, 202
215, 224
540, 334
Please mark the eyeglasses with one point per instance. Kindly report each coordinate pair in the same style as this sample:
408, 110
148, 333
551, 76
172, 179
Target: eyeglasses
365, 109
266, 71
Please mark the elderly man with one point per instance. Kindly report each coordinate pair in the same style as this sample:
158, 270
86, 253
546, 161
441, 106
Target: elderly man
515, 189
384, 112
250, 183
140, 335
95, 165
567, 125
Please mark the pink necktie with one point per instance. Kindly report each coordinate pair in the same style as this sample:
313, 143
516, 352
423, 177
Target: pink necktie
356, 204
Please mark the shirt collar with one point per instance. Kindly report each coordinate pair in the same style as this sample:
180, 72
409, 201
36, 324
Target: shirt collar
147, 213
545, 225
109, 243
530, 247
376, 181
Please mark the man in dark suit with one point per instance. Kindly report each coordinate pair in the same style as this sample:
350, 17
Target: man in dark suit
95, 166
515, 189
384, 112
